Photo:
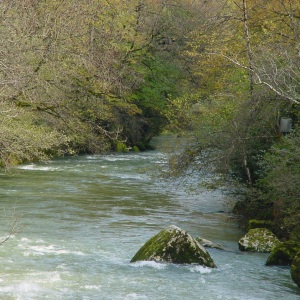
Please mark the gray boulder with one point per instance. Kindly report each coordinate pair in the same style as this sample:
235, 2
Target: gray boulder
258, 240
174, 245
208, 243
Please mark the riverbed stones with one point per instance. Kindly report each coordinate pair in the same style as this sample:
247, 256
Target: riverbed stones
174, 245
283, 253
258, 240
295, 269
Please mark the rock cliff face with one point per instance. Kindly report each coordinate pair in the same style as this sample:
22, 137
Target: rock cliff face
258, 240
174, 245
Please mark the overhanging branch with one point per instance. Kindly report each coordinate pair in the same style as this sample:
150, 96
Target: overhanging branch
294, 100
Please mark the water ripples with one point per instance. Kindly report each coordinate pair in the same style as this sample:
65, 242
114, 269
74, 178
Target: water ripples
87, 216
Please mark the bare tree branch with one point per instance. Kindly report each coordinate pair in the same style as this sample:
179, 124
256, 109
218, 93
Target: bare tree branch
14, 227
276, 89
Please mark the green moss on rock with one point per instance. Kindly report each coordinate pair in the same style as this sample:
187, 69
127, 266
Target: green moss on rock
258, 240
252, 224
174, 245
283, 253
295, 269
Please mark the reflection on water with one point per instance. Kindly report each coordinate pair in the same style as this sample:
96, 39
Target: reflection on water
87, 216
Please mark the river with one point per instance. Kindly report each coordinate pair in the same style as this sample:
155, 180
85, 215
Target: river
85, 217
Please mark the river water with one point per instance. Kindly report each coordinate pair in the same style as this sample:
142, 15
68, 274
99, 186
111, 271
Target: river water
85, 217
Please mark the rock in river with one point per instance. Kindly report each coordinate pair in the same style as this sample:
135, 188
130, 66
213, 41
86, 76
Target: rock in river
283, 253
209, 244
174, 245
295, 269
258, 240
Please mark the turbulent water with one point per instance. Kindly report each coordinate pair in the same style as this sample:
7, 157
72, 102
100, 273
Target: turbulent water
85, 218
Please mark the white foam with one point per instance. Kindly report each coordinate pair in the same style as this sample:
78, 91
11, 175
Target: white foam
54, 276
50, 249
42, 277
33, 167
24, 288
40, 241
62, 267
114, 158
150, 264
131, 176
135, 296
25, 240
93, 157
200, 269
93, 287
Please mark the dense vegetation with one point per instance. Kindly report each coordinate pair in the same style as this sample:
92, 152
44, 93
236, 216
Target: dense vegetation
85, 76
94, 76
246, 64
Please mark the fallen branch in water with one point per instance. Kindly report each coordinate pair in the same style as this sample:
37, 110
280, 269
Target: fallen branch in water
14, 228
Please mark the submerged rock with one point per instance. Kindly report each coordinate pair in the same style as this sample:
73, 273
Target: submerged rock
283, 254
209, 244
258, 240
174, 245
295, 269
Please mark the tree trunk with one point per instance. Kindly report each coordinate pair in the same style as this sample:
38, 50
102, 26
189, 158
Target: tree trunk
248, 45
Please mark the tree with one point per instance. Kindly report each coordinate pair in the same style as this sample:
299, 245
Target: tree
91, 73
237, 107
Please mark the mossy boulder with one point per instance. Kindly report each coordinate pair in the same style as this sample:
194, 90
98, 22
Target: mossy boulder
283, 253
209, 244
174, 245
295, 269
258, 240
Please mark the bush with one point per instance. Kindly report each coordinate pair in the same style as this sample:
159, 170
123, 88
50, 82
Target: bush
279, 183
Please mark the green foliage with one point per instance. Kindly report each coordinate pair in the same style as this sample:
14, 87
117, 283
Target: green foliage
260, 224
23, 140
160, 82
253, 204
135, 149
280, 181
121, 147
276, 193
94, 73
245, 76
